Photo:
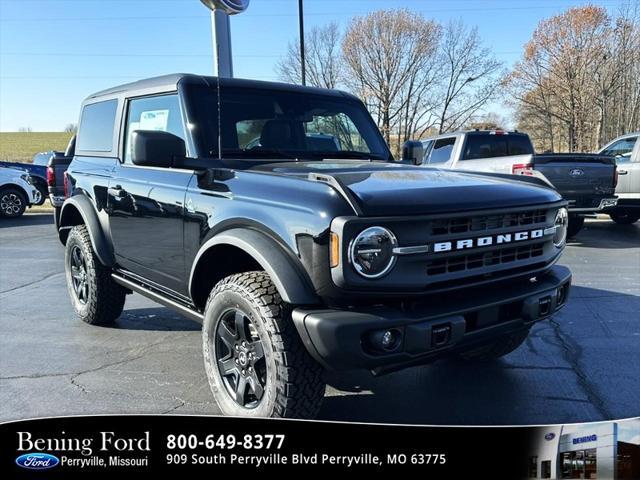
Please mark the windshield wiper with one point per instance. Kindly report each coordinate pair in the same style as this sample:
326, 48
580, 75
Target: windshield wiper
258, 153
346, 154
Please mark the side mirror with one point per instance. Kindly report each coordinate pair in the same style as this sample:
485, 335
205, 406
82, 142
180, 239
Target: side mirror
413, 151
154, 148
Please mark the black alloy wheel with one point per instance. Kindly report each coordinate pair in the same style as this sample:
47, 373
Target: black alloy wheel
79, 274
240, 358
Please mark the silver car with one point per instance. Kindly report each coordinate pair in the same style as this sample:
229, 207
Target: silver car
626, 150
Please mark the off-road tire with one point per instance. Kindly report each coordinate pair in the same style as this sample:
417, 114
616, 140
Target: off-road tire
625, 218
294, 387
105, 298
575, 225
15, 200
496, 349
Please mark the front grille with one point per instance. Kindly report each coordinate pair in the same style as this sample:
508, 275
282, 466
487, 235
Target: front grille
482, 223
459, 263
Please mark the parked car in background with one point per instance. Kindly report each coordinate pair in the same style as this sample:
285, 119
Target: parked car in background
37, 172
626, 151
586, 181
17, 192
56, 167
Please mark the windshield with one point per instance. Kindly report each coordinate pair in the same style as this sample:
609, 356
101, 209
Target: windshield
268, 124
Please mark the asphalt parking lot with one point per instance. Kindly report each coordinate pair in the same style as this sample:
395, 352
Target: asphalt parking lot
581, 366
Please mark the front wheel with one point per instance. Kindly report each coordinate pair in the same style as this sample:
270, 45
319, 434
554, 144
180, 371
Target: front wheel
625, 218
13, 202
496, 349
255, 361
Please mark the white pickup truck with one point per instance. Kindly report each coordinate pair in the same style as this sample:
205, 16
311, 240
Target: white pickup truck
586, 181
626, 151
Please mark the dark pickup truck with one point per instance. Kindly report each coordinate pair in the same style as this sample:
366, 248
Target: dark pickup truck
56, 169
295, 254
586, 181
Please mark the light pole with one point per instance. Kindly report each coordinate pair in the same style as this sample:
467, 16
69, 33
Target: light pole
303, 69
221, 32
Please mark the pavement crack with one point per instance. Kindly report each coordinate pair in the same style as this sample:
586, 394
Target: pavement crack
29, 284
571, 352
181, 403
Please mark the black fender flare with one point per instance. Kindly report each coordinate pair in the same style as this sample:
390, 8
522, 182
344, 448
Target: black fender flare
82, 206
286, 272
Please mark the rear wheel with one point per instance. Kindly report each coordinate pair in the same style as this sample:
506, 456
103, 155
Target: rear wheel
625, 218
256, 363
496, 349
96, 298
575, 225
13, 202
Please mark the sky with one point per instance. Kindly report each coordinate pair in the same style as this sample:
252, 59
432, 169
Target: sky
54, 53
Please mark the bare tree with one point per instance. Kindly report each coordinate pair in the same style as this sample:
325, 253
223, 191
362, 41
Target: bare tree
25, 129
577, 84
470, 73
323, 60
391, 59
71, 128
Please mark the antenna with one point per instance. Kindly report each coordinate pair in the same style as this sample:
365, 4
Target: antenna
220, 11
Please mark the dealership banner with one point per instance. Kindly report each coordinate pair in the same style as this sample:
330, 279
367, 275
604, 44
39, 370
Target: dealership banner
111, 445
170, 445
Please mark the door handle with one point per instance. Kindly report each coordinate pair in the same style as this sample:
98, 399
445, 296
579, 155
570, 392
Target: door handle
623, 172
117, 192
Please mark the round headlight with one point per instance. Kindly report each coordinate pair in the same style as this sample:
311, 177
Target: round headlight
371, 252
561, 223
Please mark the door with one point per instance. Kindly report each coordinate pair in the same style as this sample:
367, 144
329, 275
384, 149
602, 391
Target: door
628, 170
146, 204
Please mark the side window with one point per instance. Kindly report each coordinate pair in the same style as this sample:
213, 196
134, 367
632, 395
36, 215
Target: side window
442, 149
427, 149
96, 126
484, 146
621, 149
161, 112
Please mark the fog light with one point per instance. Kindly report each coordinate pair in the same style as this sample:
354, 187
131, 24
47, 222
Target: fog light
386, 340
561, 295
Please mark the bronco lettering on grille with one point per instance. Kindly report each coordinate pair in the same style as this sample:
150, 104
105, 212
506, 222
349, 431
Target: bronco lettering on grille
499, 239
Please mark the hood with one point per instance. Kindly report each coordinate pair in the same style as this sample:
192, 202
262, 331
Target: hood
396, 189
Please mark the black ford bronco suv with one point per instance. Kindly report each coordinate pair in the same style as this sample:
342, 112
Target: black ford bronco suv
276, 216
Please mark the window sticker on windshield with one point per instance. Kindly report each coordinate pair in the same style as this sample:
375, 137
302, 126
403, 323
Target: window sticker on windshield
154, 120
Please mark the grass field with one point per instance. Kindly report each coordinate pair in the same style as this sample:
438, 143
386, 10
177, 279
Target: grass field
22, 146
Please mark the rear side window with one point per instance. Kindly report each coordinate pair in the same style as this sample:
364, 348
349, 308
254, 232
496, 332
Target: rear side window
519, 145
96, 126
442, 149
484, 146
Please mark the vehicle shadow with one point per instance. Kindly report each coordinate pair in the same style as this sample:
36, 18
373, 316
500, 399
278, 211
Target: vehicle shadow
607, 234
154, 319
27, 220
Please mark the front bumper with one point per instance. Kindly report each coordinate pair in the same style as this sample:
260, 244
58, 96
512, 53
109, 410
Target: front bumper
346, 339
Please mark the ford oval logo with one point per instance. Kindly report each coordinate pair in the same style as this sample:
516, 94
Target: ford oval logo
576, 172
550, 436
37, 461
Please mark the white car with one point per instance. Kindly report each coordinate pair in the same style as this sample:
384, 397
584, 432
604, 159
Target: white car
17, 192
626, 150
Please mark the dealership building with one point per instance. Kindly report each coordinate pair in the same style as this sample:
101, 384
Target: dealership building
585, 451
